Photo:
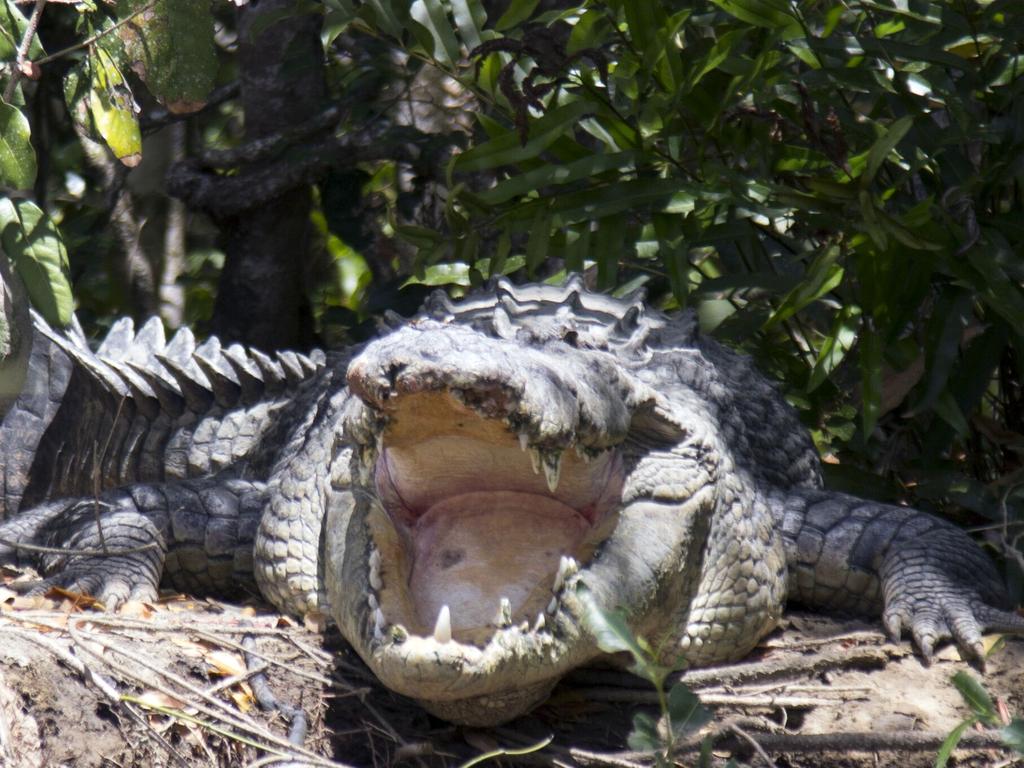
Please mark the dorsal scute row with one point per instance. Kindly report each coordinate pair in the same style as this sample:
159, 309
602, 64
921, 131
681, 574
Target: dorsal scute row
178, 374
539, 313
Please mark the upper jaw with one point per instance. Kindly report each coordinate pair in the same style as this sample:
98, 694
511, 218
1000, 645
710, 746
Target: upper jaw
561, 414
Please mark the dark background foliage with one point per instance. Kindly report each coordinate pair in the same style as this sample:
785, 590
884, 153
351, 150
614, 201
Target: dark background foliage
835, 188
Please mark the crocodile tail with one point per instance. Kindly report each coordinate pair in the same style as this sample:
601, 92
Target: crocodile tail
88, 420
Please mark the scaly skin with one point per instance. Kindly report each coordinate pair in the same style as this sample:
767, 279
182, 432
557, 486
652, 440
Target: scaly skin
450, 492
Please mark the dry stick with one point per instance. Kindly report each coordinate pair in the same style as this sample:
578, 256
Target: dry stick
110, 693
93, 38
231, 682
317, 654
23, 46
223, 641
214, 707
766, 670
296, 716
725, 699
159, 625
874, 636
875, 741
753, 742
84, 551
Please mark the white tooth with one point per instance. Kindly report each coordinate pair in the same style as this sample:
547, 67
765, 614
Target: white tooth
371, 600
375, 580
560, 576
567, 567
524, 627
524, 440
553, 605
379, 622
535, 460
504, 617
443, 625
539, 625
552, 469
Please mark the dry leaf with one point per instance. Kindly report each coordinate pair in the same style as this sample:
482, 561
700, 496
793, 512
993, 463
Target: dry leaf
226, 663
159, 699
244, 701
315, 621
77, 600
190, 647
136, 609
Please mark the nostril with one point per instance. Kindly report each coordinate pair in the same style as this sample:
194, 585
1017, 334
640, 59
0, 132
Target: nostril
393, 372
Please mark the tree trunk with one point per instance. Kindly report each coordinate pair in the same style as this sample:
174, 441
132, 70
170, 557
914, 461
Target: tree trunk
262, 298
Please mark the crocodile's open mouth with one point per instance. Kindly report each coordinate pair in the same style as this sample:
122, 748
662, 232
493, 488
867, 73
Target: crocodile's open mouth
480, 530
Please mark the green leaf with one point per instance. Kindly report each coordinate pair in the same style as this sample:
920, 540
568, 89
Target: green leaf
885, 144
1013, 735
996, 289
836, 345
433, 16
33, 243
721, 50
609, 628
469, 16
943, 755
12, 28
171, 47
977, 698
771, 14
685, 711
17, 158
537, 245
113, 109
518, 12
644, 735
554, 173
870, 353
942, 342
388, 15
507, 150
823, 275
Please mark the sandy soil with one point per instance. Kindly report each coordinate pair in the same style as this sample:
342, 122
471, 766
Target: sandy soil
167, 685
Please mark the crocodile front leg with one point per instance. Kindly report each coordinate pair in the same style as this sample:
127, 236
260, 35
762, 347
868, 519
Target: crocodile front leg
198, 534
921, 573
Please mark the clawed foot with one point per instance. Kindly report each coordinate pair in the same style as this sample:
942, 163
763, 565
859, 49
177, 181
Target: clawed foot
116, 557
939, 590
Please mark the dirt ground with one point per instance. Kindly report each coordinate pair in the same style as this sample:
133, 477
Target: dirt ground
168, 685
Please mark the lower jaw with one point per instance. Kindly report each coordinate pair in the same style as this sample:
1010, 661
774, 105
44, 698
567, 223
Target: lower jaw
491, 559
490, 709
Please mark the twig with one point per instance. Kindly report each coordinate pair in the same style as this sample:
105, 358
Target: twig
267, 146
85, 551
875, 741
212, 707
23, 48
99, 35
160, 117
766, 670
106, 688
269, 702
714, 699
753, 742
210, 637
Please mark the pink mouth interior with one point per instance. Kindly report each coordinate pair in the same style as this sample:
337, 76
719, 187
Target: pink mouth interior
477, 523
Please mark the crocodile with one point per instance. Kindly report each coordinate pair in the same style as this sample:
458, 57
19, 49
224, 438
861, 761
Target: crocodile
462, 492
